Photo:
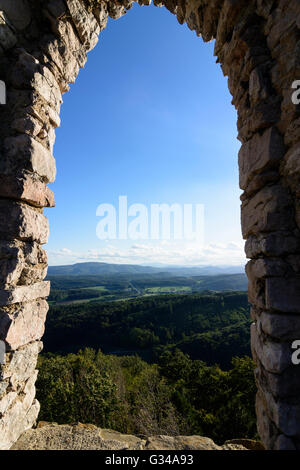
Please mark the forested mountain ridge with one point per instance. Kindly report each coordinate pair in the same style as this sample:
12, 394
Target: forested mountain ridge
97, 268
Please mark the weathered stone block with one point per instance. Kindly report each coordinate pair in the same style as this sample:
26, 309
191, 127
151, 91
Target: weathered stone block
85, 23
28, 189
63, 57
20, 365
272, 244
23, 324
21, 294
260, 180
257, 271
275, 357
33, 274
280, 326
20, 409
22, 222
283, 294
269, 210
67, 32
260, 153
266, 267
25, 153
29, 73
16, 420
21, 263
285, 416
259, 117
285, 386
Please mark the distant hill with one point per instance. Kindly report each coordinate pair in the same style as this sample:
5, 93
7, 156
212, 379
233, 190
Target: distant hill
96, 269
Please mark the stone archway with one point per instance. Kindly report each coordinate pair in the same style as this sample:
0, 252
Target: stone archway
43, 44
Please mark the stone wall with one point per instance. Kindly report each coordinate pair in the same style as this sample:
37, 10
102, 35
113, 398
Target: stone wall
43, 44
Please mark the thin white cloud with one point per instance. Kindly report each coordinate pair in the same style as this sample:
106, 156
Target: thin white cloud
166, 253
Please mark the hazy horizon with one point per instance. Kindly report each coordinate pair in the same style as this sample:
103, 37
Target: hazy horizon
155, 265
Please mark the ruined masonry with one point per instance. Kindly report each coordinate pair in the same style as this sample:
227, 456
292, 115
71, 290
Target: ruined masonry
43, 44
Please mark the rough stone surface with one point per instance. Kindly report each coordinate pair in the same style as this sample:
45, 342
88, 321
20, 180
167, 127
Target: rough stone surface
267, 211
275, 357
20, 365
21, 263
24, 223
24, 325
283, 294
43, 45
24, 293
51, 436
26, 188
18, 418
260, 153
34, 156
281, 327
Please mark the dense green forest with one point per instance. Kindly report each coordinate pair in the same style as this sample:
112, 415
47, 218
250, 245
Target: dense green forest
211, 327
175, 396
149, 364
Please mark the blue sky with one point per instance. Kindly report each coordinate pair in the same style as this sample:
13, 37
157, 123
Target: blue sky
150, 117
